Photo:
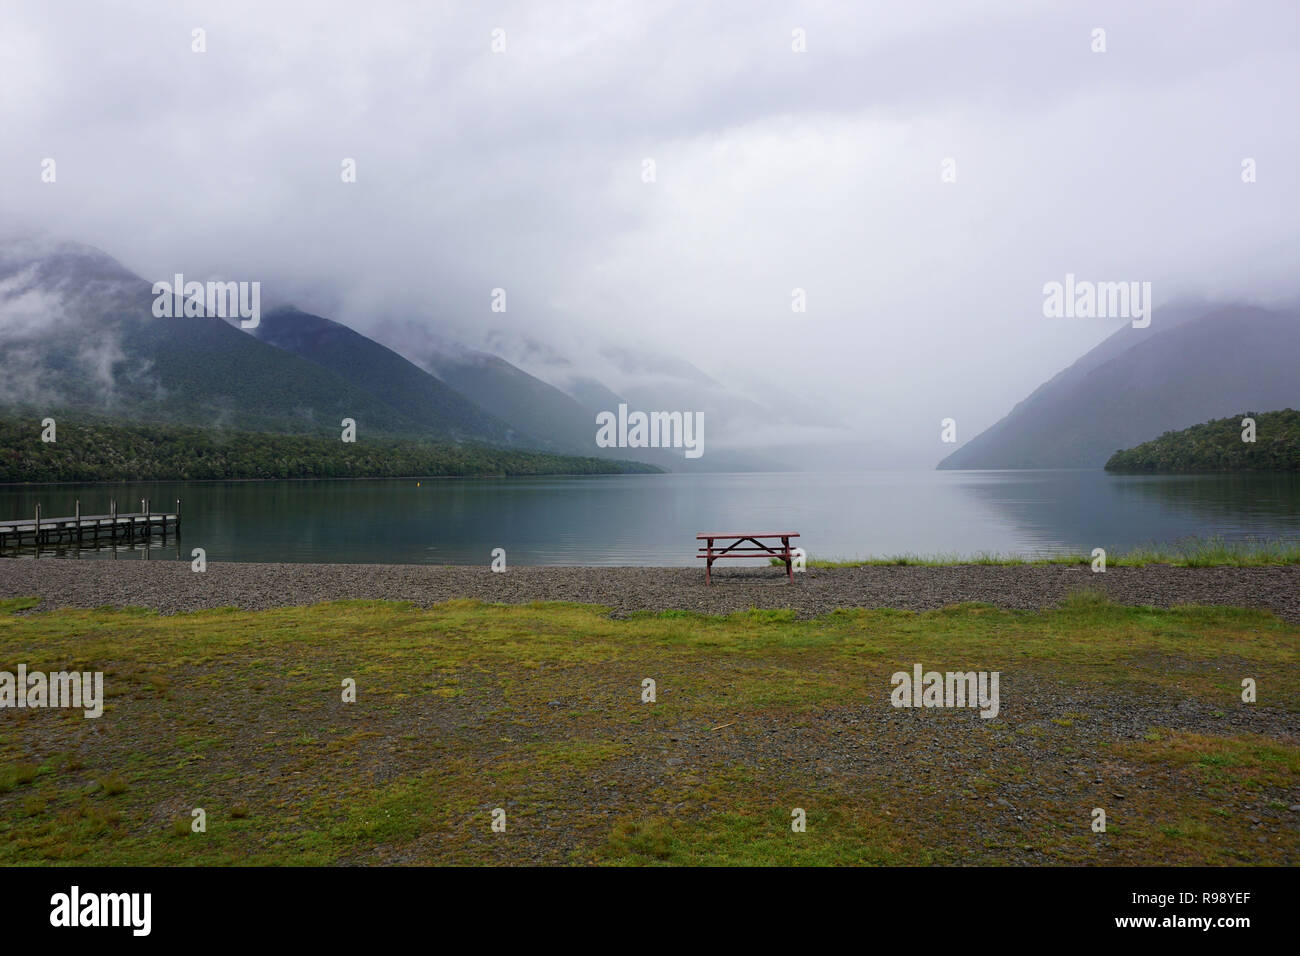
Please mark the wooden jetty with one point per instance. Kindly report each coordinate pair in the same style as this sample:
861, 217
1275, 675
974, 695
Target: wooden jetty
113, 526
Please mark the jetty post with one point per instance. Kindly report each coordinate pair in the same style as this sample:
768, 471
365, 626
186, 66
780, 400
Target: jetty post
41, 530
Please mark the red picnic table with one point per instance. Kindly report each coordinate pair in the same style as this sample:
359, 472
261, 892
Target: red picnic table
710, 553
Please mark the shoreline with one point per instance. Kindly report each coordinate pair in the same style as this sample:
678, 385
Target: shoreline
171, 587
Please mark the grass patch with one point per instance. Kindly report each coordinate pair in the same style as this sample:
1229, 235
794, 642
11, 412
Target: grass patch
536, 710
14, 605
17, 774
1193, 552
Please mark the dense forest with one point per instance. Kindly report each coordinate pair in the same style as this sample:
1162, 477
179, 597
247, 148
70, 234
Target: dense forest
103, 451
1218, 446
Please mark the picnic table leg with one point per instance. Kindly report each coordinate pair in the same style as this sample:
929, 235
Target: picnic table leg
789, 571
708, 563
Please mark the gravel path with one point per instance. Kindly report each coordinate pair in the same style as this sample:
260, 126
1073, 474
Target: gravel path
170, 586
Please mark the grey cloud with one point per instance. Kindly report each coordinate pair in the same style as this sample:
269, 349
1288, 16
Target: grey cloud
775, 170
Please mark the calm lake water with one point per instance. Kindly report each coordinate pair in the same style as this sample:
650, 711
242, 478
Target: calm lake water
653, 519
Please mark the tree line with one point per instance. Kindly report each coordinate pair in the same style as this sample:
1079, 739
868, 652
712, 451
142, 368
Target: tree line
104, 451
1220, 445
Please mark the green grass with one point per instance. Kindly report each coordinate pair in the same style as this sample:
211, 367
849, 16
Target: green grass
1187, 553
535, 709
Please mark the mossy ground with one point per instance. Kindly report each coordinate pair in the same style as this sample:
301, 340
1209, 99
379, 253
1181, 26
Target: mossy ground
536, 709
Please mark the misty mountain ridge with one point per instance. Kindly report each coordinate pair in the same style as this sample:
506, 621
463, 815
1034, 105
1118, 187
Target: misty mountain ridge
79, 334
1194, 360
524, 381
417, 396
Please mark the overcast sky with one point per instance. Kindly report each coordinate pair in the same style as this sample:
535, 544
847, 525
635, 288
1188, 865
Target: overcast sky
774, 170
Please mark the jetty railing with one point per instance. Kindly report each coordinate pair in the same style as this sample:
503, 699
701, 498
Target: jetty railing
78, 527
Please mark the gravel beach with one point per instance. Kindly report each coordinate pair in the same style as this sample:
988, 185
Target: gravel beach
171, 587
547, 722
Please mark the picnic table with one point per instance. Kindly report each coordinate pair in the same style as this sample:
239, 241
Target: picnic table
739, 548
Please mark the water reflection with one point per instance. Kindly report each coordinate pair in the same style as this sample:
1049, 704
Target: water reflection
1081, 510
653, 519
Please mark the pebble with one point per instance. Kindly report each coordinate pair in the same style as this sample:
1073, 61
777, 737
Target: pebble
169, 586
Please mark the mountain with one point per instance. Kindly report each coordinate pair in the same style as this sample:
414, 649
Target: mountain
515, 396
563, 418
1220, 445
1192, 362
738, 425
432, 405
592, 395
541, 391
79, 335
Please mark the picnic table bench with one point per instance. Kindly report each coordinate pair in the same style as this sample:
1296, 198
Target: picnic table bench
739, 549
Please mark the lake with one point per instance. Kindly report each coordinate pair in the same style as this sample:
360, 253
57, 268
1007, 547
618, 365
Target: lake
653, 519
